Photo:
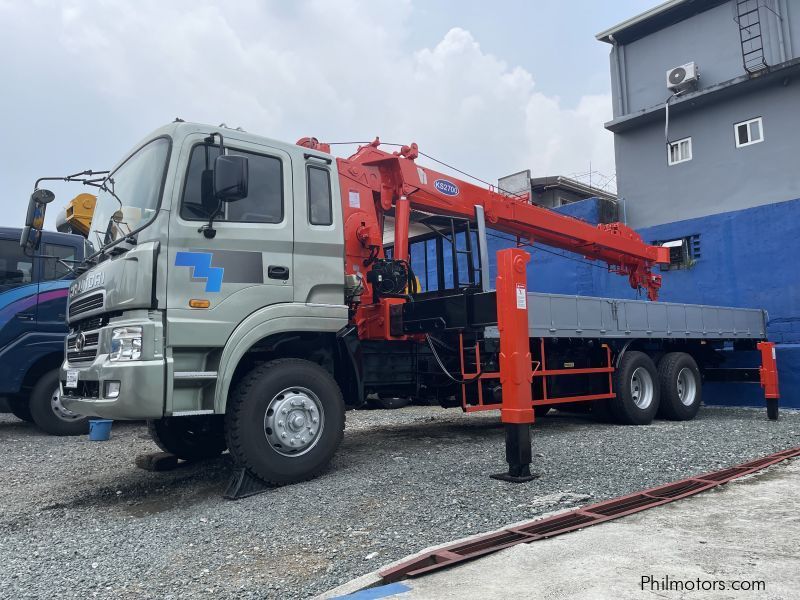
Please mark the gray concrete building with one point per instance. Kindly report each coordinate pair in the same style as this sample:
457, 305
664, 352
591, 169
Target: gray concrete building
724, 134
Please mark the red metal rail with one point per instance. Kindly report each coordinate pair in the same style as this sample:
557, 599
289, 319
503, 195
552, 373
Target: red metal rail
577, 519
538, 370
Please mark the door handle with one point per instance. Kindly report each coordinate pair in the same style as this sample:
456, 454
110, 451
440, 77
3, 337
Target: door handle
25, 316
278, 272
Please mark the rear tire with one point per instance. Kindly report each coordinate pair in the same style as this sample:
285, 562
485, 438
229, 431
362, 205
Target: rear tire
48, 412
681, 387
190, 438
20, 408
541, 411
637, 389
285, 420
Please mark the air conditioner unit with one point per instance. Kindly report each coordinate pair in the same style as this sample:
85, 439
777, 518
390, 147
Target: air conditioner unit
679, 78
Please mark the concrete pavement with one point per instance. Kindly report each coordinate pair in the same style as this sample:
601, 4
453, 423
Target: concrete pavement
736, 541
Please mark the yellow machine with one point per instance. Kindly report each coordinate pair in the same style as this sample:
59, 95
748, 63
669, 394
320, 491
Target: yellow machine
77, 215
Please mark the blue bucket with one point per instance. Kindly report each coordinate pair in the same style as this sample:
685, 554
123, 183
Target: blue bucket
100, 430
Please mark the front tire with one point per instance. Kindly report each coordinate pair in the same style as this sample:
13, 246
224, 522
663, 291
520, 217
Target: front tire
48, 412
637, 389
285, 420
190, 438
681, 387
20, 408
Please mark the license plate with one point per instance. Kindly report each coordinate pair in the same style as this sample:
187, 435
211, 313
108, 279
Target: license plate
72, 378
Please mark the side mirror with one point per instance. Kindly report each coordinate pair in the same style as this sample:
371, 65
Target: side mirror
34, 219
230, 178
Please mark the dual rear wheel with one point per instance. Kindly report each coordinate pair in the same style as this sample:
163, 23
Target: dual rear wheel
671, 390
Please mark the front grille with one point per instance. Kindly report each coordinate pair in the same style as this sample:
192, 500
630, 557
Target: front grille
83, 305
89, 330
81, 357
89, 324
91, 340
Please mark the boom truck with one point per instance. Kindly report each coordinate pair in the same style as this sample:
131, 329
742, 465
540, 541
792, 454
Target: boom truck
242, 295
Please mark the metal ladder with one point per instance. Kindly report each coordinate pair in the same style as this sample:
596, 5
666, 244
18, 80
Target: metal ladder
749, 21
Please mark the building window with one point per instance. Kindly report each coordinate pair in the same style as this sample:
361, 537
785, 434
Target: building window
564, 201
748, 132
683, 252
680, 151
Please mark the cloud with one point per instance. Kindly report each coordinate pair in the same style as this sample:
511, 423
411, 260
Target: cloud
338, 71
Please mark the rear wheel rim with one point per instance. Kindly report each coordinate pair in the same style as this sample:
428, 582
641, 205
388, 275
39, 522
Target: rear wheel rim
687, 386
642, 388
59, 410
294, 421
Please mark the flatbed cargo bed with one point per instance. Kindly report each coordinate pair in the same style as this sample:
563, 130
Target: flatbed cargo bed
563, 316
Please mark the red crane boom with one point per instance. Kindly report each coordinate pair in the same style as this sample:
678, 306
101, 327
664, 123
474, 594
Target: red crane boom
374, 182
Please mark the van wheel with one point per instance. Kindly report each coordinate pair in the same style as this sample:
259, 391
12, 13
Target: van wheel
637, 389
20, 408
541, 411
285, 420
48, 412
190, 438
681, 387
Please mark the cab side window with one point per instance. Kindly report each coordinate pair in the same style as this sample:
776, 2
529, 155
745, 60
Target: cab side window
16, 269
51, 268
264, 201
320, 209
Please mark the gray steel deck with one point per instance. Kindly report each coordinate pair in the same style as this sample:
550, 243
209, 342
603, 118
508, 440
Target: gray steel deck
556, 315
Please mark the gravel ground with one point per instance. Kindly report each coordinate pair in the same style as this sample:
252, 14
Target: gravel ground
79, 520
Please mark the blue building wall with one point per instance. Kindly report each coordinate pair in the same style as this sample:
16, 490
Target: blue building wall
749, 258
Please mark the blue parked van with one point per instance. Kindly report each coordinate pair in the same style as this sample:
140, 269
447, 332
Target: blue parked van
33, 303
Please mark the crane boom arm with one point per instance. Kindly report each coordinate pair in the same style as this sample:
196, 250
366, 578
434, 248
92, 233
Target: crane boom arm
375, 183
430, 191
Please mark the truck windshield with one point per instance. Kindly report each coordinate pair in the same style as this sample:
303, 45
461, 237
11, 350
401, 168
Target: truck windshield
129, 197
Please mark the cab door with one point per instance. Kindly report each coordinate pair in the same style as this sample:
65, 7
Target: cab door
247, 264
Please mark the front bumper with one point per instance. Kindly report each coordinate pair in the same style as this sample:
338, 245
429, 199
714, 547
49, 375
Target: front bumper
141, 392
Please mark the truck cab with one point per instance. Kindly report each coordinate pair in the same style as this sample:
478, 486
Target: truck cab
177, 305
33, 306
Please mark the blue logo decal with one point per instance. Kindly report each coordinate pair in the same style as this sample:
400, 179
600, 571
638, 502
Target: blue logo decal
201, 268
448, 188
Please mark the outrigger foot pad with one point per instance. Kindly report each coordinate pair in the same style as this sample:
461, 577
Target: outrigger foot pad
772, 409
516, 475
518, 454
244, 484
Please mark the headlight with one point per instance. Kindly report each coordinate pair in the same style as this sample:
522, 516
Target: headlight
126, 343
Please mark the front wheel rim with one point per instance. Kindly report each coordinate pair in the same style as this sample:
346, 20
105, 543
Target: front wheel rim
642, 388
687, 386
59, 410
294, 421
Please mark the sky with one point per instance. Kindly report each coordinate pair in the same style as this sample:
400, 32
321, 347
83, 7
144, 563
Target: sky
489, 87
